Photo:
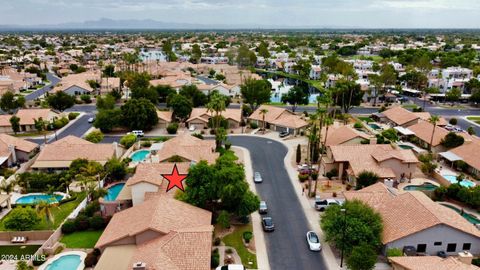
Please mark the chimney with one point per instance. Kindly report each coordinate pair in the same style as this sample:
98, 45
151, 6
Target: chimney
139, 266
465, 257
11, 148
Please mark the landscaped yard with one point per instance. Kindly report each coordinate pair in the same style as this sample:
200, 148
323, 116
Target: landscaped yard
365, 119
18, 251
86, 239
234, 240
475, 119
60, 213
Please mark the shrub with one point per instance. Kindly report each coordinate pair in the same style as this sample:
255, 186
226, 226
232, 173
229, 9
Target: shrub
365, 141
146, 144
91, 208
394, 252
73, 115
453, 121
224, 219
228, 145
68, 227
452, 140
229, 251
366, 179
86, 98
217, 241
172, 128
58, 250
128, 140
59, 123
197, 135
247, 236
81, 223
215, 260
21, 219
358, 125
38, 261
298, 157
96, 222
332, 173
302, 177
94, 136
90, 260
390, 134
253, 125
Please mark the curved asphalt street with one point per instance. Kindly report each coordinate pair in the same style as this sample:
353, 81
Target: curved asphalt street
287, 247
54, 80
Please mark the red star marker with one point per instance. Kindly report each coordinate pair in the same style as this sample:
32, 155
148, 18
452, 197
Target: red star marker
175, 179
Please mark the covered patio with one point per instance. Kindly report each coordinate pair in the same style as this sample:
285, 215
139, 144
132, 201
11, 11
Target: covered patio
451, 157
5, 204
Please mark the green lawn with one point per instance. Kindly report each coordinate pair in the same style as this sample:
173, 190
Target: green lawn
60, 213
475, 119
365, 119
235, 240
86, 239
18, 251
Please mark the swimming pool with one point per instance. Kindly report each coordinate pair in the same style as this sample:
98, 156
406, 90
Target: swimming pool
73, 260
453, 179
406, 147
375, 126
37, 198
424, 186
139, 155
112, 192
471, 218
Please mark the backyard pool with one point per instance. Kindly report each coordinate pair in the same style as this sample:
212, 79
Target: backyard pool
453, 179
112, 192
37, 198
471, 218
375, 126
65, 261
406, 147
139, 156
424, 186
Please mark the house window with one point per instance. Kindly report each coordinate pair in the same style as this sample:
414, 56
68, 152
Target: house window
437, 243
466, 246
421, 248
451, 247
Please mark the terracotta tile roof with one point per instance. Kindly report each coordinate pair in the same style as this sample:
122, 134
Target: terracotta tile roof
409, 213
399, 115
204, 115
426, 115
279, 116
160, 214
469, 152
152, 172
342, 134
366, 157
423, 131
190, 148
431, 262
165, 116
20, 144
27, 116
5, 120
71, 148
79, 80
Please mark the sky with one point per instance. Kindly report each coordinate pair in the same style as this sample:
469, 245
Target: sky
256, 13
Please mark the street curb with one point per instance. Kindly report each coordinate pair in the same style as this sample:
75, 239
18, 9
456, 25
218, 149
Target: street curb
260, 246
470, 121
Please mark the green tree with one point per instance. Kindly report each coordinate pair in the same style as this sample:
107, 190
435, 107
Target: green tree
45, 209
262, 50
196, 53
296, 96
390, 134
366, 178
224, 219
363, 257
471, 130
217, 106
256, 92
109, 71
94, 136
116, 169
107, 120
245, 57
15, 122
433, 120
21, 219
139, 114
60, 101
302, 67
163, 91
7, 102
453, 95
106, 103
196, 96
22, 265
347, 94
452, 140
128, 140
298, 157
181, 106
362, 225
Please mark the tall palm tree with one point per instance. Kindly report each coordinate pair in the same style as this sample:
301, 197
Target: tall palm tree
433, 120
328, 121
217, 105
263, 112
45, 209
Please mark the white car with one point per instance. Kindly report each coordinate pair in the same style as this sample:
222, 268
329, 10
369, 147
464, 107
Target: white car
91, 119
313, 241
257, 178
138, 133
322, 205
231, 267
191, 128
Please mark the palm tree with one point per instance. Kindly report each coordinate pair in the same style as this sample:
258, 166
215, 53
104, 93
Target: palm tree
328, 121
263, 112
433, 120
217, 105
45, 209
7, 187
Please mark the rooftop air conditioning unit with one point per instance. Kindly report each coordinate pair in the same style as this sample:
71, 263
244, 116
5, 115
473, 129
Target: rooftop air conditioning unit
139, 266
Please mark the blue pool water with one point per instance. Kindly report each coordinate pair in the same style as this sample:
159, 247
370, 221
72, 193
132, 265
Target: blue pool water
139, 155
453, 179
34, 199
112, 192
67, 262
472, 219
375, 126
425, 186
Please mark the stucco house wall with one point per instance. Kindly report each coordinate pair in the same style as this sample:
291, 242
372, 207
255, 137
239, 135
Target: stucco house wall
139, 190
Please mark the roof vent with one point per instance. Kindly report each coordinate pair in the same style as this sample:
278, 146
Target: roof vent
139, 266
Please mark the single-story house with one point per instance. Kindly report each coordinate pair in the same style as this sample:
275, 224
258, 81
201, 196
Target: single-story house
397, 116
200, 117
412, 219
28, 117
279, 119
425, 116
382, 159
77, 84
13, 150
187, 148
58, 155
164, 118
343, 135
160, 233
433, 262
470, 154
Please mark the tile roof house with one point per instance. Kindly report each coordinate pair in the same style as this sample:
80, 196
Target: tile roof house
279, 119
430, 262
188, 148
413, 219
398, 116
200, 116
77, 84
160, 233
28, 117
72, 148
164, 118
13, 150
384, 160
344, 135
469, 153
426, 115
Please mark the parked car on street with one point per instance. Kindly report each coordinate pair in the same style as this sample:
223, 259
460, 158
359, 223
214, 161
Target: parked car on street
231, 267
138, 133
313, 241
91, 120
257, 178
267, 224
322, 205
263, 207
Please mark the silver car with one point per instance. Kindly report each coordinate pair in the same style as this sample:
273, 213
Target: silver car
257, 178
313, 241
263, 209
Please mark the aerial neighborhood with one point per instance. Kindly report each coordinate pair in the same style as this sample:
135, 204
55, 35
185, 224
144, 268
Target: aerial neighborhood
234, 150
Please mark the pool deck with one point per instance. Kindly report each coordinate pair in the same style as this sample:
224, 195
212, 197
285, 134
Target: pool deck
445, 170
